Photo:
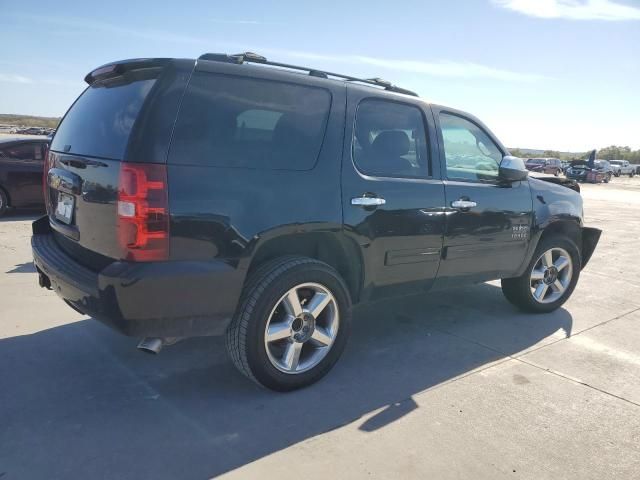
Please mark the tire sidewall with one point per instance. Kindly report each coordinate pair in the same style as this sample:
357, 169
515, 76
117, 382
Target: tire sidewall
258, 360
4, 202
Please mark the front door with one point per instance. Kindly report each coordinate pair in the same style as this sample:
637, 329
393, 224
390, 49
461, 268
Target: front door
393, 198
488, 221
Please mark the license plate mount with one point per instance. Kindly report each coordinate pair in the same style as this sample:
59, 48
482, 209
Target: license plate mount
64, 209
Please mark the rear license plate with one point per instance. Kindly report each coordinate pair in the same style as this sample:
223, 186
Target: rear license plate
64, 209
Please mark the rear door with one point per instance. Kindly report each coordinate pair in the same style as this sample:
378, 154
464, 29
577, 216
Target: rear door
393, 198
488, 221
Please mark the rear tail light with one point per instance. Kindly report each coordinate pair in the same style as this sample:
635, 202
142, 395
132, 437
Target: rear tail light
143, 212
46, 166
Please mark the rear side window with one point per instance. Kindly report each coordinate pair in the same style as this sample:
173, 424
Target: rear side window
390, 140
99, 123
24, 151
237, 122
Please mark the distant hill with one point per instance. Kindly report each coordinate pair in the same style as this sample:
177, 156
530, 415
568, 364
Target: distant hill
28, 120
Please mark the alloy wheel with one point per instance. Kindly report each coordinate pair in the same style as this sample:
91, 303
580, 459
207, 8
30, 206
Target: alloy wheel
301, 328
551, 275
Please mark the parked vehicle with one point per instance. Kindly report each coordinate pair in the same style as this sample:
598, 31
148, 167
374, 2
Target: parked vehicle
622, 167
261, 203
581, 171
551, 166
21, 164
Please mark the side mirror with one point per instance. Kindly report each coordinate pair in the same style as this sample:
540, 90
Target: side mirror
512, 169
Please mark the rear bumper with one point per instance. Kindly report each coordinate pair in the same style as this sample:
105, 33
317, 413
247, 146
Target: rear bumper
154, 299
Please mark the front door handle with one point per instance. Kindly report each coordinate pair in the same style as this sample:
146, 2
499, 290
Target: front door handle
463, 204
368, 201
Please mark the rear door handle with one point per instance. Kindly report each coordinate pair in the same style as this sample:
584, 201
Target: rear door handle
463, 204
368, 201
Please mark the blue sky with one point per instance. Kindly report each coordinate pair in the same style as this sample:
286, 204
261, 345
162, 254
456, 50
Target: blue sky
561, 74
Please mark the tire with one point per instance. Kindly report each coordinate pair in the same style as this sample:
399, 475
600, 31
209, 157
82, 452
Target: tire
557, 173
607, 179
4, 202
519, 290
263, 304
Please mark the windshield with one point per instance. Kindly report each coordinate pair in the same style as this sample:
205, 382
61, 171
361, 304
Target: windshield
615, 162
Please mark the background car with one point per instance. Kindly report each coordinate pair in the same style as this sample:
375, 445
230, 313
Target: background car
622, 167
21, 166
551, 166
582, 171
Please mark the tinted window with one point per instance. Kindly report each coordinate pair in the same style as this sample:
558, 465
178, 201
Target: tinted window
470, 153
239, 122
100, 121
24, 151
390, 140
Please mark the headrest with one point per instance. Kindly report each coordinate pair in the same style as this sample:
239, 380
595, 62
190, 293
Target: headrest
393, 143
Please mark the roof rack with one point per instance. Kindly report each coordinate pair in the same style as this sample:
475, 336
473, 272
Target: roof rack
250, 57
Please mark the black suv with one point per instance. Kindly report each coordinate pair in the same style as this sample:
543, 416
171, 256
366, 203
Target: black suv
232, 195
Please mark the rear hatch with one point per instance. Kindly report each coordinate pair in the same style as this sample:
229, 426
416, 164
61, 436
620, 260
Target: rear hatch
112, 129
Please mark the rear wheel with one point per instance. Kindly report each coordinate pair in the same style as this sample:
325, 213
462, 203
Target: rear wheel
607, 179
550, 278
4, 202
292, 323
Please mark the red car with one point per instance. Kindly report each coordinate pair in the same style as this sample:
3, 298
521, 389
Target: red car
552, 166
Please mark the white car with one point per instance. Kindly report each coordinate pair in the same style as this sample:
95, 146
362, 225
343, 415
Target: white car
622, 167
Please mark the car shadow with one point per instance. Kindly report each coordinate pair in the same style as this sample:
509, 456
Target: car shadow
79, 401
27, 267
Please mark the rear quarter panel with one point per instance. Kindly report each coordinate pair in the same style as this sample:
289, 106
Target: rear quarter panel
229, 213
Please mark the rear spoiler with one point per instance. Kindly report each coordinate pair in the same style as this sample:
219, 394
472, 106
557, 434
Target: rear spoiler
117, 69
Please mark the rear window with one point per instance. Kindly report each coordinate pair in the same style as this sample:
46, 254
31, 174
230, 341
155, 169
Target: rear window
240, 122
99, 123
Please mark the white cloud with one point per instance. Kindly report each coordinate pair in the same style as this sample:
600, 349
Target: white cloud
84, 26
572, 9
448, 69
12, 78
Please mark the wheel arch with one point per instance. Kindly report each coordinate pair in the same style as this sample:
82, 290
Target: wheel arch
329, 247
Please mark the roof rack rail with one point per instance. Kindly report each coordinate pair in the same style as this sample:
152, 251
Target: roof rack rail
250, 57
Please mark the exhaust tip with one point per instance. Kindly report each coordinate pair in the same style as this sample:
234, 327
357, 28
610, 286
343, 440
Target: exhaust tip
151, 345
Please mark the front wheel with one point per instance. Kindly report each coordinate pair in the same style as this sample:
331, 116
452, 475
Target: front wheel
550, 278
607, 179
292, 323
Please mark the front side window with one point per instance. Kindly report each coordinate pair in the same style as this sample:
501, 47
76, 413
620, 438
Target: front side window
390, 140
469, 152
239, 122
